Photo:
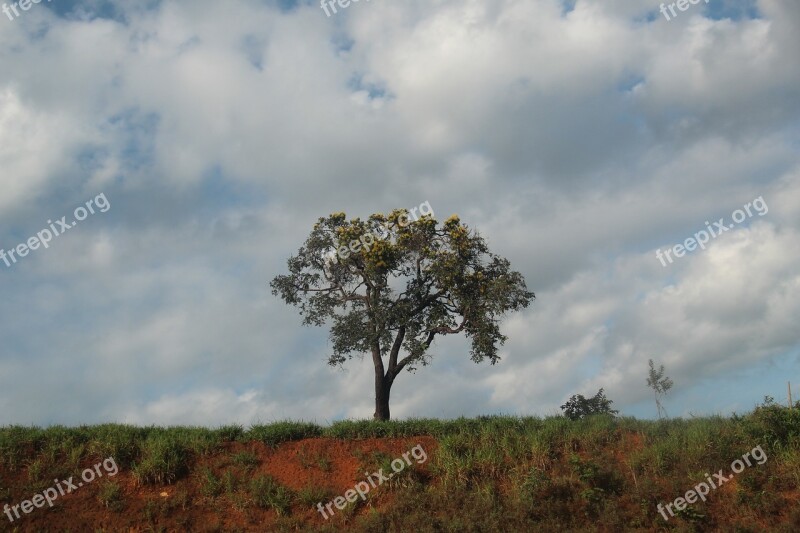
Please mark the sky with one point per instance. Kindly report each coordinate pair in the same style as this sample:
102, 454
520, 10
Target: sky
579, 138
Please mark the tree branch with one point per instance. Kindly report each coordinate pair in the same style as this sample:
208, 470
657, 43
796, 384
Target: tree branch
398, 342
404, 362
444, 330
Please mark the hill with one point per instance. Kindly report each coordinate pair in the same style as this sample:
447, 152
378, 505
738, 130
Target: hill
485, 474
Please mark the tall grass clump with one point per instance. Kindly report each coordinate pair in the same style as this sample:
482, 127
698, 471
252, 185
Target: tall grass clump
269, 494
284, 431
164, 460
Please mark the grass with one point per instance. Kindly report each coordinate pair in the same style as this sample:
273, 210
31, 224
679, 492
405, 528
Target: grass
163, 460
487, 473
210, 484
314, 459
246, 460
278, 432
310, 496
269, 494
110, 495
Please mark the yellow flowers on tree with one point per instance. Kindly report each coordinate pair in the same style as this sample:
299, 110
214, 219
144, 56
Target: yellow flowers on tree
393, 298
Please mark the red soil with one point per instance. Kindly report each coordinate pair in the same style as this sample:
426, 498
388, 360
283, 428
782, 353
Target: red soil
182, 507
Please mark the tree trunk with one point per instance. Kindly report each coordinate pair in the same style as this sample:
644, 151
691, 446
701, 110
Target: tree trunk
382, 388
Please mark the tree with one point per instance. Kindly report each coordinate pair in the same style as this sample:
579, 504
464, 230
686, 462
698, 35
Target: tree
578, 407
390, 285
660, 385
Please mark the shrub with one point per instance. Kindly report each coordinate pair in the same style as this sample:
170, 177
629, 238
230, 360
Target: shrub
578, 407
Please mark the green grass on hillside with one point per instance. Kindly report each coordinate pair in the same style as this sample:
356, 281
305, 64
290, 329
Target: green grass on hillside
497, 471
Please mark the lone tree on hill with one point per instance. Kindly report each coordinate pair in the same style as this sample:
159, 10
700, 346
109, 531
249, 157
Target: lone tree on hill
660, 384
391, 285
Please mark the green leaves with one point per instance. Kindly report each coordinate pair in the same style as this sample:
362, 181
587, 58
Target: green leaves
578, 407
388, 285
660, 384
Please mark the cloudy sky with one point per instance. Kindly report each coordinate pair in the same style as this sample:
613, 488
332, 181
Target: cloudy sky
579, 137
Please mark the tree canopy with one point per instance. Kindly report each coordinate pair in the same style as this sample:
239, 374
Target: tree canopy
390, 285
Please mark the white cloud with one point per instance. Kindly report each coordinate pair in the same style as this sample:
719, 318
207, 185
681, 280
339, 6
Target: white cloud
578, 143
